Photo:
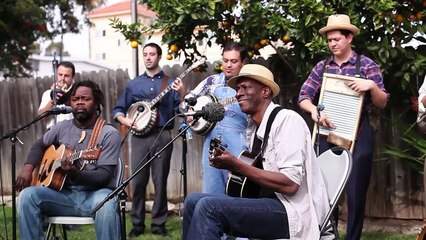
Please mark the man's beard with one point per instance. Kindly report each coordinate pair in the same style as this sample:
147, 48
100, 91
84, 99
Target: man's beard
81, 116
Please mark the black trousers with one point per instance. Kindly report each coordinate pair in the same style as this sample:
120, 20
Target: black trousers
142, 151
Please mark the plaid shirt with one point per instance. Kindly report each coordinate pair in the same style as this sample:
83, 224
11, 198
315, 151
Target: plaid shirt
368, 70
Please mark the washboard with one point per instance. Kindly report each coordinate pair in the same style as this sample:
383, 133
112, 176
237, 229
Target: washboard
342, 106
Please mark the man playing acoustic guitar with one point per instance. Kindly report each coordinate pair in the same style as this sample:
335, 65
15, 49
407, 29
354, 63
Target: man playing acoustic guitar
84, 181
292, 201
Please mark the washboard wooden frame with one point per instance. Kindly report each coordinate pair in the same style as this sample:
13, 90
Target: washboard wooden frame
343, 106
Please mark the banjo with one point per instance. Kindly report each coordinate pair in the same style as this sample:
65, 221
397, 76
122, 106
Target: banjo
144, 113
202, 127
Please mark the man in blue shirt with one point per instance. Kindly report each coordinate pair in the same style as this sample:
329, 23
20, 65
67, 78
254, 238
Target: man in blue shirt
147, 87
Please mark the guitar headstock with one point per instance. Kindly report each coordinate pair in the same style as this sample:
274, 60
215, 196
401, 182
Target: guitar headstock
217, 146
199, 62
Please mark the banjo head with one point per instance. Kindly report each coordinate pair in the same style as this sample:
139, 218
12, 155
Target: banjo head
202, 126
144, 120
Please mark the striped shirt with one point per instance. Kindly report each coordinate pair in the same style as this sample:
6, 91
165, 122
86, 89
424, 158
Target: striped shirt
368, 70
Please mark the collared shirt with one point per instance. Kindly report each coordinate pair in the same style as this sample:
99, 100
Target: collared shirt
146, 88
368, 70
290, 152
45, 98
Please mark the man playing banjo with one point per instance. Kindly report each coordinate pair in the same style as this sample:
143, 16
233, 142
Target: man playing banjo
142, 89
232, 128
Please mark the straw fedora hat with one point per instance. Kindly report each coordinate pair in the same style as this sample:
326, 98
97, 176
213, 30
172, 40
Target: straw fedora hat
339, 22
259, 73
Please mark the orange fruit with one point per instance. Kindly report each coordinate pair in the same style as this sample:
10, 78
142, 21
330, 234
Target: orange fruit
263, 42
399, 18
424, 3
169, 57
286, 38
174, 48
134, 44
250, 53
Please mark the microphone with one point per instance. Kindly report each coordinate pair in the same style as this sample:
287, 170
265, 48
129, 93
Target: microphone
60, 110
191, 101
212, 112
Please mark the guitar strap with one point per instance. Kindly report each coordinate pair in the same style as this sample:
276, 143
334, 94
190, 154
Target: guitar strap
96, 132
260, 146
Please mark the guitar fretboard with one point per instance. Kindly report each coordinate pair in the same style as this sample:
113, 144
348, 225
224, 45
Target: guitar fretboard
180, 77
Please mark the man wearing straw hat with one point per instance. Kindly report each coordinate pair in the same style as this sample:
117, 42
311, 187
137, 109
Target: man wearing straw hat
344, 61
292, 201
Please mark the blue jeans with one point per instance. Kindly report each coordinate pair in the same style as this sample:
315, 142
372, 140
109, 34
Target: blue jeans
232, 130
209, 216
35, 202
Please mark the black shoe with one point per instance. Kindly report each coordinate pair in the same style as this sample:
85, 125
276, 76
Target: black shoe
160, 231
136, 232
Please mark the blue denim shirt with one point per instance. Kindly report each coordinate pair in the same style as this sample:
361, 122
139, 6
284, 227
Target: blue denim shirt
145, 88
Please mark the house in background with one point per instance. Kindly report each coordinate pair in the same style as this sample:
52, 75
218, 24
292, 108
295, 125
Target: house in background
108, 46
42, 65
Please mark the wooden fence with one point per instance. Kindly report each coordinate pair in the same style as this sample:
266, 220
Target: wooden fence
395, 190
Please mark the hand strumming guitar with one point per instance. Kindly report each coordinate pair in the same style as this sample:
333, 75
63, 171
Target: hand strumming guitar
223, 159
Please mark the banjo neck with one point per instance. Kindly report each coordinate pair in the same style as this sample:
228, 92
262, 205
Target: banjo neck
180, 77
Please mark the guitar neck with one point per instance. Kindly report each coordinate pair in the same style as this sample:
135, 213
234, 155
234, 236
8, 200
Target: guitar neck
75, 156
168, 88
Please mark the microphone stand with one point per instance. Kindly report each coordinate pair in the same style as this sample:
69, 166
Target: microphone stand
123, 185
12, 135
55, 79
183, 171
317, 143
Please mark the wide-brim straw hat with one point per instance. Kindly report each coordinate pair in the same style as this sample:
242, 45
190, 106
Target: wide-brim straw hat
259, 73
339, 22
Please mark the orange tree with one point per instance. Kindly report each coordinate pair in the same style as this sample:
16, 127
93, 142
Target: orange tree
23, 22
387, 26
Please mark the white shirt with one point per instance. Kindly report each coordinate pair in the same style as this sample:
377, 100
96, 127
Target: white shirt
45, 98
290, 152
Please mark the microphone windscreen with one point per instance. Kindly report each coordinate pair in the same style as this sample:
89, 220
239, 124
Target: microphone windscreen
215, 112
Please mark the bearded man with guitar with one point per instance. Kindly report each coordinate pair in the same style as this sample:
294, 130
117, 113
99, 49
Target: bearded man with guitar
292, 201
148, 93
88, 151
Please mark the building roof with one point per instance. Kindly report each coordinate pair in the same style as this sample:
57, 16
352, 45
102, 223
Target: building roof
121, 8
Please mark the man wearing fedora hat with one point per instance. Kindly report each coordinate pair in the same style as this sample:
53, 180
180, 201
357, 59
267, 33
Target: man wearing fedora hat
292, 201
344, 61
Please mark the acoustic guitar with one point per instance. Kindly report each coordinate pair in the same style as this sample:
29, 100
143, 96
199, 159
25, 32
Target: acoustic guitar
237, 185
50, 174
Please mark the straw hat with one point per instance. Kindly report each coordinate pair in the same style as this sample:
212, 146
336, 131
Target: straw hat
339, 22
259, 73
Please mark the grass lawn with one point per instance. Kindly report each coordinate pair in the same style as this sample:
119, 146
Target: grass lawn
173, 226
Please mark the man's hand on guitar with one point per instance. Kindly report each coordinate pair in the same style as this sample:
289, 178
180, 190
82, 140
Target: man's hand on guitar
67, 165
178, 86
223, 159
24, 177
